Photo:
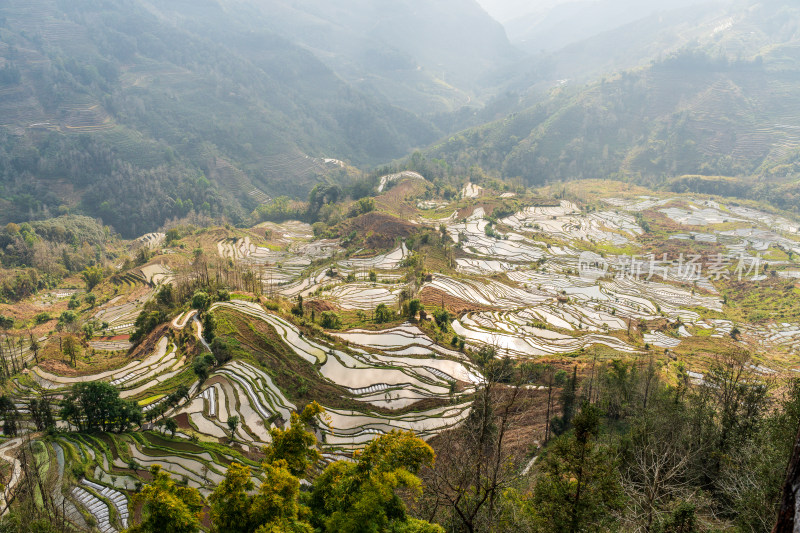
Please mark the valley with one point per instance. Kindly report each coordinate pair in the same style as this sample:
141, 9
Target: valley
597, 272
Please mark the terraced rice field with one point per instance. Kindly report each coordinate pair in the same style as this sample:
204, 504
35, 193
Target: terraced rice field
490, 293
471, 190
566, 222
120, 313
518, 341
364, 296
391, 369
133, 379
152, 240
156, 274
391, 178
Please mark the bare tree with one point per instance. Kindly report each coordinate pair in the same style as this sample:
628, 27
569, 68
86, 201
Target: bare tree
475, 463
658, 464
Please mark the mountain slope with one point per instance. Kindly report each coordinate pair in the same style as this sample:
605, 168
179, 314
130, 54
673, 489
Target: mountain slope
423, 56
699, 111
119, 109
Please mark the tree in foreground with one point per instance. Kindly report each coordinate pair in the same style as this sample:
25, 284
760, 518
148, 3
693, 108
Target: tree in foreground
578, 488
233, 424
477, 465
383, 314
167, 506
274, 508
362, 497
296, 446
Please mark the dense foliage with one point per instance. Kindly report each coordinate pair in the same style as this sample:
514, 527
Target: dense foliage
96, 406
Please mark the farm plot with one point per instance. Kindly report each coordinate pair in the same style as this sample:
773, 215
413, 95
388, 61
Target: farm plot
697, 216
245, 249
351, 430
355, 372
290, 231
111, 345
117, 499
236, 248
774, 222
157, 274
120, 314
471, 190
624, 297
759, 240
491, 293
96, 507
393, 374
431, 204
656, 338
783, 335
384, 262
510, 338
364, 377
281, 270
403, 340
199, 469
8, 452
483, 266
364, 296
134, 378
569, 317
639, 203
471, 237
391, 178
152, 240
244, 390
305, 348
567, 223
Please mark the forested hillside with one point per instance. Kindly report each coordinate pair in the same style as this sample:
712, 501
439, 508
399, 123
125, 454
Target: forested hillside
124, 112
722, 107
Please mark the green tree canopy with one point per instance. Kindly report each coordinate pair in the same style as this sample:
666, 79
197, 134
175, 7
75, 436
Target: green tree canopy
167, 506
296, 446
362, 497
92, 275
96, 405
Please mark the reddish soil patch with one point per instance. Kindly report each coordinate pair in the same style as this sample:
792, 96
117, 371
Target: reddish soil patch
434, 297
379, 230
57, 367
115, 338
183, 421
319, 306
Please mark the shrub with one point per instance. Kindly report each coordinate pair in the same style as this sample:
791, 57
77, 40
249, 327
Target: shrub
201, 300
222, 350
442, 318
331, 320
383, 314
67, 317
74, 302
202, 365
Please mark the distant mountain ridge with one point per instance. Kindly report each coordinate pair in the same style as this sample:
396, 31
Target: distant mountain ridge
723, 104
134, 110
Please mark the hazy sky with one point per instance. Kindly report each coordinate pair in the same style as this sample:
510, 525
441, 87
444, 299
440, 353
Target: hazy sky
504, 10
